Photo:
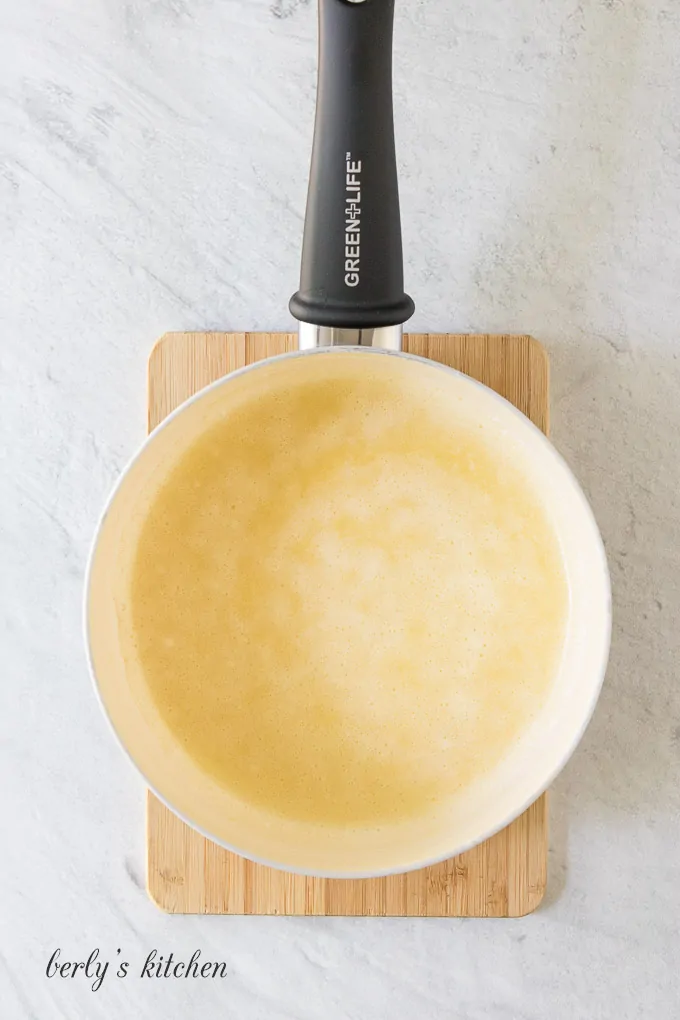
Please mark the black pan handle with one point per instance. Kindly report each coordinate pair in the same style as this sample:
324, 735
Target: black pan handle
352, 264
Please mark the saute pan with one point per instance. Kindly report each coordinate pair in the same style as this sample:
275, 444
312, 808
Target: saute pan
351, 304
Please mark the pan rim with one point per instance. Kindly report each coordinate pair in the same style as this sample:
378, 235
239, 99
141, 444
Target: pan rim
601, 568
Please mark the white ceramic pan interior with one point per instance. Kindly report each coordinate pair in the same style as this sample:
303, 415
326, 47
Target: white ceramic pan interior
478, 810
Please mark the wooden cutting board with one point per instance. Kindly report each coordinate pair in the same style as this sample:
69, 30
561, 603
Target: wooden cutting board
503, 877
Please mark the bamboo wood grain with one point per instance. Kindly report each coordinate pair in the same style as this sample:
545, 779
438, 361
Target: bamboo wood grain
503, 877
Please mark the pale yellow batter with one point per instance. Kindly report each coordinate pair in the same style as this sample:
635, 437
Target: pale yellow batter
345, 604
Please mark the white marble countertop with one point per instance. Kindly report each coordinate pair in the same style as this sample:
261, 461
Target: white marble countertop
153, 162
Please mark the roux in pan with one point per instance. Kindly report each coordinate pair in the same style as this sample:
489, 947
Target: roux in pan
346, 604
